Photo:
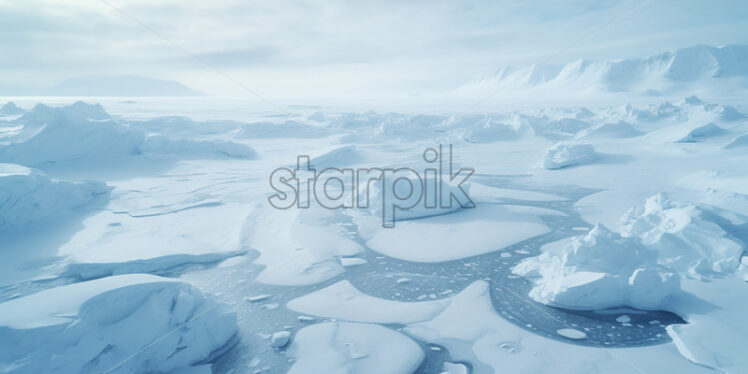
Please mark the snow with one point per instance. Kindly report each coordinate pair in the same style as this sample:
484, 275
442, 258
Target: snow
337, 157
305, 242
344, 347
408, 197
565, 155
598, 270
684, 70
28, 197
702, 133
280, 339
184, 189
84, 134
687, 237
440, 238
96, 325
343, 301
571, 333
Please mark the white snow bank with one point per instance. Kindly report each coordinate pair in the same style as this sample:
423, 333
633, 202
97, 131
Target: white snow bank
341, 347
343, 301
687, 237
566, 155
93, 326
28, 196
599, 270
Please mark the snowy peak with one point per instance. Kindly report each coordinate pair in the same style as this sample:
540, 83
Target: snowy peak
664, 72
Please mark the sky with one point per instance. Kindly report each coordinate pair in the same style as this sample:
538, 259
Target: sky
335, 48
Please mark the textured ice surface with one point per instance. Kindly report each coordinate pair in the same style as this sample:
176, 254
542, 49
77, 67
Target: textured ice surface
95, 326
599, 270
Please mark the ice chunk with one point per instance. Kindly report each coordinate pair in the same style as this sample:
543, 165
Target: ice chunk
571, 333
280, 339
565, 155
344, 347
28, 196
687, 237
95, 326
599, 270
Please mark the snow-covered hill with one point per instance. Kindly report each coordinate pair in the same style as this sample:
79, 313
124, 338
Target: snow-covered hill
698, 66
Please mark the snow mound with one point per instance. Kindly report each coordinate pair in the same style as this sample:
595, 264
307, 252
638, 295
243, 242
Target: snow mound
687, 237
565, 155
94, 326
346, 347
28, 196
702, 132
599, 270
86, 133
335, 157
739, 142
611, 130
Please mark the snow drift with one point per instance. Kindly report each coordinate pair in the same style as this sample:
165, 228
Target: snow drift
95, 326
28, 196
600, 270
565, 155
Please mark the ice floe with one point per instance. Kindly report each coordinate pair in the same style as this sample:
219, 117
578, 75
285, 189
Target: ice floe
345, 347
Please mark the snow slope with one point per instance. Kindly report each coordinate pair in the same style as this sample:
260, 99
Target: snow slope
94, 326
674, 71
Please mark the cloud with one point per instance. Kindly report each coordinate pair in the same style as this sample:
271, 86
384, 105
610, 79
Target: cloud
337, 47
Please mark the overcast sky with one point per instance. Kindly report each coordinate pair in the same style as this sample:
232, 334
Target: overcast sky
337, 48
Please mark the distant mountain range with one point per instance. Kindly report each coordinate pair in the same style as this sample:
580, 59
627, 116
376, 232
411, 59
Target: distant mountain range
119, 85
685, 68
